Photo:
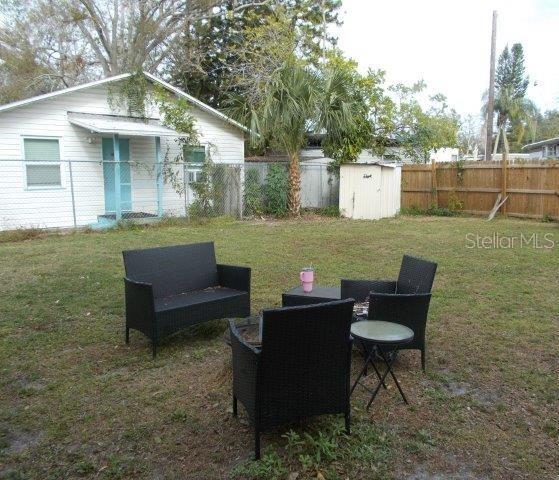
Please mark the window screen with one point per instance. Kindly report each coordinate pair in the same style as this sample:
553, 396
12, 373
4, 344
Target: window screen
194, 154
44, 151
43, 175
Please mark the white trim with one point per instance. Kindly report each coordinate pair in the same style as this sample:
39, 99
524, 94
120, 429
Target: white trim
25, 163
168, 86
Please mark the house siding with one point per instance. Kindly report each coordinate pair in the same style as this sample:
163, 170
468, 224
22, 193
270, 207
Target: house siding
52, 208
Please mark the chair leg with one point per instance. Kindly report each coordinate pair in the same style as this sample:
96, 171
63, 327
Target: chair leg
234, 406
153, 348
347, 423
127, 335
423, 359
256, 444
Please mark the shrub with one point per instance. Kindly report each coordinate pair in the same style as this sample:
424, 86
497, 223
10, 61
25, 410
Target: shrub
433, 210
210, 190
253, 203
454, 203
275, 190
329, 211
20, 234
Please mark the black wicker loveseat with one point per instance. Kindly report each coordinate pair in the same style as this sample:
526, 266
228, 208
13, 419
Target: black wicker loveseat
302, 368
170, 288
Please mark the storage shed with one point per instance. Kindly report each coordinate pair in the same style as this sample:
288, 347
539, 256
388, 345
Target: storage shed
370, 190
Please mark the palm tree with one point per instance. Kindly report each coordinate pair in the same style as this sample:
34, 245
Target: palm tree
513, 112
296, 100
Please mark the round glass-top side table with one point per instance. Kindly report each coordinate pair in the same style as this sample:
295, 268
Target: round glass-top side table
377, 337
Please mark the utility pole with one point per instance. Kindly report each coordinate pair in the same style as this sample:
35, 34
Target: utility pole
491, 93
323, 31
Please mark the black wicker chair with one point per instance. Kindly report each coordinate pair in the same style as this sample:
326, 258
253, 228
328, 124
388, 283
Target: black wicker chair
405, 301
170, 288
301, 370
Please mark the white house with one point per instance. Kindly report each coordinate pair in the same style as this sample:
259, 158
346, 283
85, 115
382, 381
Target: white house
544, 149
68, 159
446, 154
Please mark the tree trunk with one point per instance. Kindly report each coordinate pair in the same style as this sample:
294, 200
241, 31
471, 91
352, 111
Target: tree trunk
496, 146
294, 194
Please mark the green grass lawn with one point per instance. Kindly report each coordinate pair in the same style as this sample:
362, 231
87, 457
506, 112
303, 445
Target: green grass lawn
76, 402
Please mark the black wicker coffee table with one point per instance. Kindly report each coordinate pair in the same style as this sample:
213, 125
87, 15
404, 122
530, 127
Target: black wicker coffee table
319, 294
379, 339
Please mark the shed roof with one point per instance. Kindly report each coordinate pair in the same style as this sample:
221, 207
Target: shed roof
378, 164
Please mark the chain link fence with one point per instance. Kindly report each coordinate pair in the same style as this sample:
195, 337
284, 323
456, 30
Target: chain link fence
99, 194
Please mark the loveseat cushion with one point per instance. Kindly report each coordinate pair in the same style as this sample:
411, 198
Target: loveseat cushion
194, 298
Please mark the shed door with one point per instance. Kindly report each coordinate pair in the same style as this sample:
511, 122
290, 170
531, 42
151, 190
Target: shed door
367, 192
109, 175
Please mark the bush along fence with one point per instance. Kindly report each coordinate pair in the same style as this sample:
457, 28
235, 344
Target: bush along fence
100, 194
532, 188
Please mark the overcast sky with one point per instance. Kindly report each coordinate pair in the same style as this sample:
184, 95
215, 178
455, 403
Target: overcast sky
447, 42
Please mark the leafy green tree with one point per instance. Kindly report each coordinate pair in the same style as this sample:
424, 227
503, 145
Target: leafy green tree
284, 98
470, 141
417, 131
46, 45
202, 65
547, 125
371, 108
515, 113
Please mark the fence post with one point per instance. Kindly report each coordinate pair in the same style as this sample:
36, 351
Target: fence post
434, 187
118, 200
72, 193
186, 188
159, 177
241, 189
504, 174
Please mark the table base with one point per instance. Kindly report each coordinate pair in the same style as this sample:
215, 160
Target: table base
388, 359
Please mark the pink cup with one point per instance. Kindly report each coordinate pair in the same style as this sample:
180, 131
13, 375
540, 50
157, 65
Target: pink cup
307, 279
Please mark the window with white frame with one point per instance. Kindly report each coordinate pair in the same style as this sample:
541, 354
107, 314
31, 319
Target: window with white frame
194, 156
42, 162
550, 151
193, 176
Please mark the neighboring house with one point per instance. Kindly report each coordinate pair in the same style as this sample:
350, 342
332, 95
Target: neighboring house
393, 154
544, 149
58, 155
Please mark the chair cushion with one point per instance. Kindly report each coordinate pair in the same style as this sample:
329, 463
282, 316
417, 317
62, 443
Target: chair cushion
194, 298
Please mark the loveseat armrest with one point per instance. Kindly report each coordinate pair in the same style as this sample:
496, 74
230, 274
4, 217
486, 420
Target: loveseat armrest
231, 276
245, 368
360, 289
140, 306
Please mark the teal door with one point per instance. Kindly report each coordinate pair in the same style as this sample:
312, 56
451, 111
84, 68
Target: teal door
109, 175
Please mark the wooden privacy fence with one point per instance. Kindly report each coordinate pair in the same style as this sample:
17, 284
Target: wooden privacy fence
532, 188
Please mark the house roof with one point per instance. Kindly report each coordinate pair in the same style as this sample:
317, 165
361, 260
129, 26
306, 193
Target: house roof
199, 104
376, 163
541, 143
121, 125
